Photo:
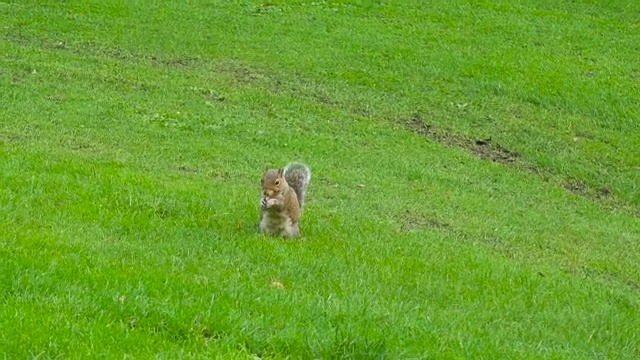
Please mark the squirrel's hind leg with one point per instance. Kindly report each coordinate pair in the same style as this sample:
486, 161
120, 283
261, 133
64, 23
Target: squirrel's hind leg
292, 230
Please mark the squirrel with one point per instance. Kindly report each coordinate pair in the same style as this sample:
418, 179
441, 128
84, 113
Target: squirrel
282, 200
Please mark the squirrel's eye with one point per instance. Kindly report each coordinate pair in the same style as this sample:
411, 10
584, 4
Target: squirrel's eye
277, 182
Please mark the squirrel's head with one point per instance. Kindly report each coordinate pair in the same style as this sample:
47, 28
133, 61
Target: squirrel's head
273, 182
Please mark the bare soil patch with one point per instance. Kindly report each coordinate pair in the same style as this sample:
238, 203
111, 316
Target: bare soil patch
410, 221
483, 148
489, 150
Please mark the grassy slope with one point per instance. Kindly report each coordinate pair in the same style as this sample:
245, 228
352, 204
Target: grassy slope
130, 159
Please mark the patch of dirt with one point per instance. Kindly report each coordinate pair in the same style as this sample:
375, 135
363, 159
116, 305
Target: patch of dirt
188, 169
410, 221
124, 54
176, 62
241, 74
219, 175
266, 8
488, 150
208, 94
115, 53
15, 38
605, 275
56, 98
12, 138
581, 188
80, 146
604, 192
99, 50
577, 187
483, 148
324, 99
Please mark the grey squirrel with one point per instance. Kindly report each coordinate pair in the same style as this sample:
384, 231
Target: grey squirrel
282, 200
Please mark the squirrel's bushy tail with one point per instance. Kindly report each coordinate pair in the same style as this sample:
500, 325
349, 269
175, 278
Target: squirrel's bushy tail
298, 176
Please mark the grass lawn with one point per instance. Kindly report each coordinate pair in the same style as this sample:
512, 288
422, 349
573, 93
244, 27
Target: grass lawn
475, 192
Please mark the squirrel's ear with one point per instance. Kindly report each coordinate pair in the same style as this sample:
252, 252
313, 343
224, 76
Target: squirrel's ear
280, 171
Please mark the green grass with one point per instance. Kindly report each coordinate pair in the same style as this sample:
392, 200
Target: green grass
133, 136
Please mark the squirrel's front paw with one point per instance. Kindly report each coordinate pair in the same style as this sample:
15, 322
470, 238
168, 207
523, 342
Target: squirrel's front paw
263, 202
271, 202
